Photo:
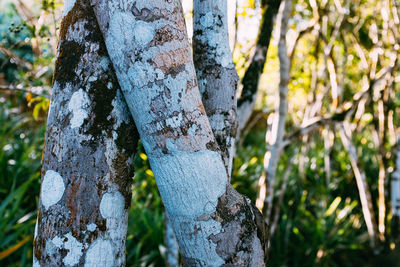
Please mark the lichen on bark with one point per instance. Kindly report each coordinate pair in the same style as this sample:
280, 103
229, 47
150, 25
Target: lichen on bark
216, 73
158, 80
90, 143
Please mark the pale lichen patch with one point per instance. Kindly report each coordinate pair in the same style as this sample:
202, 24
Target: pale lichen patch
207, 20
78, 105
203, 186
57, 241
100, 254
52, 188
112, 205
91, 227
74, 248
143, 33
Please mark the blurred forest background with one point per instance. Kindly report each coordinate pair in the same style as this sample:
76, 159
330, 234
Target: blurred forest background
333, 199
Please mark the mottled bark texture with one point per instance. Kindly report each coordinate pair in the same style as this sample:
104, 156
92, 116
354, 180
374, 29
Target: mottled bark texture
88, 156
149, 48
249, 83
216, 73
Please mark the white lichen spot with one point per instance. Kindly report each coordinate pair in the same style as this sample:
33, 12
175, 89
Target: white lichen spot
202, 180
207, 20
52, 188
100, 254
91, 227
174, 121
74, 248
78, 105
78, 33
192, 130
140, 74
112, 205
109, 85
57, 241
217, 121
92, 79
110, 153
143, 32
159, 74
68, 5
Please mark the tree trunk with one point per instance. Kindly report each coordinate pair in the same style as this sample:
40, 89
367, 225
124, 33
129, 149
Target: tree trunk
214, 225
248, 96
216, 73
362, 185
172, 249
88, 156
275, 137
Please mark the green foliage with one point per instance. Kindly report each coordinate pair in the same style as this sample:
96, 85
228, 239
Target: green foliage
21, 144
320, 221
145, 230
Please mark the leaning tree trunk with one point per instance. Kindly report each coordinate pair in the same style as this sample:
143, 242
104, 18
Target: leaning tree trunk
362, 185
88, 156
275, 136
216, 73
247, 99
149, 48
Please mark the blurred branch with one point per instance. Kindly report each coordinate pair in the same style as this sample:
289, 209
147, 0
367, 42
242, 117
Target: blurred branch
15, 58
362, 185
12, 89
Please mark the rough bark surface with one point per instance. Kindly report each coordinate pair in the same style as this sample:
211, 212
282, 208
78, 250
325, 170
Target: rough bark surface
216, 73
247, 99
88, 156
214, 225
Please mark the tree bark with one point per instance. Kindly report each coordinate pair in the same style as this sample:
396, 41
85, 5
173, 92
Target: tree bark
272, 155
248, 96
362, 185
214, 224
88, 156
216, 73
172, 249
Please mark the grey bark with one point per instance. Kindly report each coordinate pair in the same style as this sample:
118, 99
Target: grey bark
216, 73
214, 224
88, 156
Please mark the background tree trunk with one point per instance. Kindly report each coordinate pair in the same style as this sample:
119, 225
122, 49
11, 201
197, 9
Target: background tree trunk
249, 83
362, 185
88, 156
216, 73
275, 136
214, 224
